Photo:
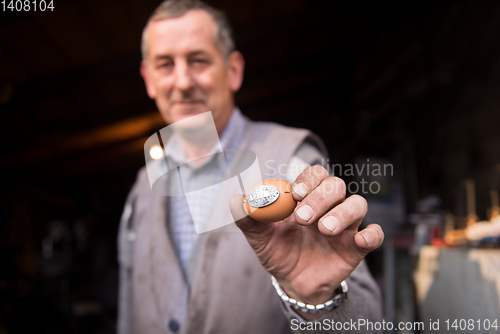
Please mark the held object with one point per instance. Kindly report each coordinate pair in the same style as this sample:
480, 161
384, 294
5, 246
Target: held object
269, 201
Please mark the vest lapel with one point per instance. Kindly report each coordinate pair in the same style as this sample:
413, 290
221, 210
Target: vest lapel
158, 280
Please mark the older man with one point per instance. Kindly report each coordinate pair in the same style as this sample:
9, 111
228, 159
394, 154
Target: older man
173, 280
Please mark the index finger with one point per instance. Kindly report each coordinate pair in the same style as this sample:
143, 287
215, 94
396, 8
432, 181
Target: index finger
307, 181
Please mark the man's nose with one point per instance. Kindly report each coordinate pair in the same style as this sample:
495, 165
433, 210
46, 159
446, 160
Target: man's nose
183, 78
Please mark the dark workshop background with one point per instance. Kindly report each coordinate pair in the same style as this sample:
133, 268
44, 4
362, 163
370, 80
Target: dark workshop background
414, 83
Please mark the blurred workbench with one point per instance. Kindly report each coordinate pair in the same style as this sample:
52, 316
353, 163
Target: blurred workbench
458, 283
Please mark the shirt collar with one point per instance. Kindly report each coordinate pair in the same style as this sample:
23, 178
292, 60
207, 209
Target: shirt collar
230, 138
233, 133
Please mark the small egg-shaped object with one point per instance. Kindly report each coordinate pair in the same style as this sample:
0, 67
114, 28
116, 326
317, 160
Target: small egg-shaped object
270, 201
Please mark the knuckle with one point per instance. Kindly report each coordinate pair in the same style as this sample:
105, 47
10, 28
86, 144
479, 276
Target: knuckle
312, 175
377, 234
348, 215
334, 185
361, 201
306, 174
380, 233
319, 171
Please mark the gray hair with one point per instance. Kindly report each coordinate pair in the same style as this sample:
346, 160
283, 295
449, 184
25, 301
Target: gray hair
176, 8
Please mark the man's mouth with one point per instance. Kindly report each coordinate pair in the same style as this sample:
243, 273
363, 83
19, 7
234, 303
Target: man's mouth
188, 102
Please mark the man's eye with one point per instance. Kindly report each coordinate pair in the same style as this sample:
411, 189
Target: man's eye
161, 65
200, 61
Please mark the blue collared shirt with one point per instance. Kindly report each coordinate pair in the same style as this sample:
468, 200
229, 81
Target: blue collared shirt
211, 171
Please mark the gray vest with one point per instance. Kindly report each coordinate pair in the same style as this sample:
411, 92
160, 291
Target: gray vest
231, 291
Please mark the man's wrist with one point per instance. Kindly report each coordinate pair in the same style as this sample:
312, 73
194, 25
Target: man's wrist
310, 291
310, 310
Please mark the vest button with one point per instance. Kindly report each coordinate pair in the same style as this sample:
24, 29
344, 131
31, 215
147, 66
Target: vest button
173, 325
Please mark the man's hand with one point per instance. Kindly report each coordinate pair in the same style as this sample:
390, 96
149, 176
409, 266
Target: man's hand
319, 245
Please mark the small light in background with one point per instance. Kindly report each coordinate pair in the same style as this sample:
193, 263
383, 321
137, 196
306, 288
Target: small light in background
156, 152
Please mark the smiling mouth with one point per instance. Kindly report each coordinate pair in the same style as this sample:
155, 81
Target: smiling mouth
188, 102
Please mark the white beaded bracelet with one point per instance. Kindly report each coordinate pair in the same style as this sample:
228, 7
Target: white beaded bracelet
329, 305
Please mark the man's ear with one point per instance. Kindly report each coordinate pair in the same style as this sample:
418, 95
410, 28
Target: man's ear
147, 80
236, 66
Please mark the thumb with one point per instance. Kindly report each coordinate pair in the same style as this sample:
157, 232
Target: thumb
370, 238
249, 226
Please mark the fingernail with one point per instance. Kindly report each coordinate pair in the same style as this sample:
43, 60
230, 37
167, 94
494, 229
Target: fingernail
367, 238
330, 223
305, 212
301, 189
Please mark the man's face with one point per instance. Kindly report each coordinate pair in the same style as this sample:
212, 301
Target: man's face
185, 73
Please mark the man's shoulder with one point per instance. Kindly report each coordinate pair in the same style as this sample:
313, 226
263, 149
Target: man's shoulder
263, 129
271, 125
304, 138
